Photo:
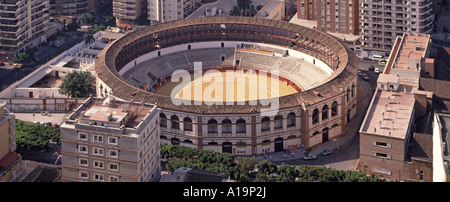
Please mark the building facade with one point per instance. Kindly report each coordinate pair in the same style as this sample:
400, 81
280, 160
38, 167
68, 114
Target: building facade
389, 146
170, 10
331, 15
384, 20
23, 24
105, 140
74, 7
129, 12
12, 168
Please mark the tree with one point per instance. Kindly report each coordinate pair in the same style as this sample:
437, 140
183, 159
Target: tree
265, 168
87, 18
244, 4
287, 173
21, 57
71, 27
236, 11
78, 84
111, 20
31, 136
243, 168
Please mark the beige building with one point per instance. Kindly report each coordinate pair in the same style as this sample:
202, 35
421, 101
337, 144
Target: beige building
332, 16
384, 20
12, 168
23, 24
106, 140
389, 146
129, 12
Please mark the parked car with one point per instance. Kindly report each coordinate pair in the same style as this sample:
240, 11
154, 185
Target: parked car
366, 58
326, 152
377, 71
366, 78
2, 63
382, 63
371, 68
309, 156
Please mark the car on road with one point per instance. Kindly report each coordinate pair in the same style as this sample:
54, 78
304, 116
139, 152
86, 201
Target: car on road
382, 63
376, 71
371, 68
366, 58
326, 152
366, 78
309, 156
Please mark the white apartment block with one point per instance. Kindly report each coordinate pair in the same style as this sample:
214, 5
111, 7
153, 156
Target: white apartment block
23, 24
169, 10
383, 20
106, 140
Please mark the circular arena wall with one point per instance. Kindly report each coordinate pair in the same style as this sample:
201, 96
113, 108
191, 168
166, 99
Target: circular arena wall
306, 119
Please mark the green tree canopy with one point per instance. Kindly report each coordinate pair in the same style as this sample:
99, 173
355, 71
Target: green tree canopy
31, 136
78, 84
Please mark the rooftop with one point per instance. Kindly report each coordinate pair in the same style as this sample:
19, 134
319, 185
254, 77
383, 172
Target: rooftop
389, 114
412, 47
109, 112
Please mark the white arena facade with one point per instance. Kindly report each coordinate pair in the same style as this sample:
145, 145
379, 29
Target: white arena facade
316, 72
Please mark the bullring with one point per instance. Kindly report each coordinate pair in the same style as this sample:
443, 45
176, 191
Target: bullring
317, 113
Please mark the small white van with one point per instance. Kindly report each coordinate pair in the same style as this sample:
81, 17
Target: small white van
377, 57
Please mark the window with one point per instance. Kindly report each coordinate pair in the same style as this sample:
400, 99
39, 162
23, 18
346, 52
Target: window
382, 155
325, 112
112, 140
226, 126
291, 120
114, 179
113, 153
187, 124
114, 166
265, 124
83, 175
315, 116
98, 164
83, 136
163, 120
98, 151
175, 122
334, 109
83, 162
83, 149
382, 144
278, 121
98, 177
97, 138
212, 126
241, 126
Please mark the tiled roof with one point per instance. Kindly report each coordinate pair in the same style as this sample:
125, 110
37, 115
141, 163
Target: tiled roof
8, 159
346, 69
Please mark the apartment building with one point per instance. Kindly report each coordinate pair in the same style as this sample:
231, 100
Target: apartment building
335, 16
74, 7
130, 12
169, 10
389, 146
23, 24
11, 166
383, 20
106, 140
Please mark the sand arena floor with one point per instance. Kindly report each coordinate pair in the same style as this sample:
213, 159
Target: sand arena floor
226, 86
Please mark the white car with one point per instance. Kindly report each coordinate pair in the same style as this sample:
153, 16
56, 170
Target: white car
309, 156
377, 71
326, 152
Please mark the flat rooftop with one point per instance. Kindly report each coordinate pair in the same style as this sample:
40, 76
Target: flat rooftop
389, 114
115, 112
413, 47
